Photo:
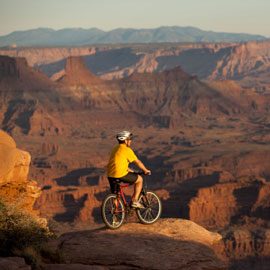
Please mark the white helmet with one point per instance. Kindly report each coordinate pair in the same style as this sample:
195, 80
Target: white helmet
123, 135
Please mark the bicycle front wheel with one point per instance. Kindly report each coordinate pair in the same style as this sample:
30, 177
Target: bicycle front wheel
112, 217
152, 208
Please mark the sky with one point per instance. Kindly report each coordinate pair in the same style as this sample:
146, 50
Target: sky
234, 16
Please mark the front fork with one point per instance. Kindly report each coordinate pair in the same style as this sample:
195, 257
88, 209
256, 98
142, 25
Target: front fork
144, 193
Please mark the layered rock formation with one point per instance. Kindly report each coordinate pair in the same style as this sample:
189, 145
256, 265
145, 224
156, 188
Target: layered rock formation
243, 248
248, 63
76, 66
73, 202
32, 104
14, 167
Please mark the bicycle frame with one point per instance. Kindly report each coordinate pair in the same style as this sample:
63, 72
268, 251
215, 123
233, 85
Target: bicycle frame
120, 194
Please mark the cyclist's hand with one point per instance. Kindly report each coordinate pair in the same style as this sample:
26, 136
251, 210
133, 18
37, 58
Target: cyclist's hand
147, 172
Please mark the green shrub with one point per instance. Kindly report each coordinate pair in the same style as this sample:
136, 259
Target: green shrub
21, 233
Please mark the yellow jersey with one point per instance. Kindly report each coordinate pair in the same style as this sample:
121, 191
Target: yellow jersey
120, 157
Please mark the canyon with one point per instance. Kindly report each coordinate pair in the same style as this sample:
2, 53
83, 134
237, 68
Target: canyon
247, 63
206, 141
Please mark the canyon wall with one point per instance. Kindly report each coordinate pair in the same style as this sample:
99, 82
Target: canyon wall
247, 62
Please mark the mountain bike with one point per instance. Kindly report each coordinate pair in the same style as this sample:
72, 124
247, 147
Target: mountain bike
115, 207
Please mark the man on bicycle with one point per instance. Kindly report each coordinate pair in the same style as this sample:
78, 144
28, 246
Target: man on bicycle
117, 167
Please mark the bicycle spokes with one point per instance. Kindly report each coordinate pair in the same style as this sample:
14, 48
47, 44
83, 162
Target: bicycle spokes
152, 210
113, 215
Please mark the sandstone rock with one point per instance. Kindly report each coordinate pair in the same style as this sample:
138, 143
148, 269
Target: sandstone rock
13, 263
14, 167
77, 75
17, 72
167, 244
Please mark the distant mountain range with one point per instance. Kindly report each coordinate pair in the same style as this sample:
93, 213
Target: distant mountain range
79, 36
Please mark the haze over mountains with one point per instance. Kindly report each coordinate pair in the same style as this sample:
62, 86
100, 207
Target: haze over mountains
79, 36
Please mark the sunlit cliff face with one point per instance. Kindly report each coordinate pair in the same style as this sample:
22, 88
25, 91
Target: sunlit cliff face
15, 186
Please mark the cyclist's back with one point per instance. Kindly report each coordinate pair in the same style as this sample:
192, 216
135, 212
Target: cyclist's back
120, 158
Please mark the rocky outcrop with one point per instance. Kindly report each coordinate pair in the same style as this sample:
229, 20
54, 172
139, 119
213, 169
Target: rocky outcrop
16, 76
167, 244
27, 99
77, 75
14, 167
8, 67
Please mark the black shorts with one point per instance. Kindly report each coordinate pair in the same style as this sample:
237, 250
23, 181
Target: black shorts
129, 178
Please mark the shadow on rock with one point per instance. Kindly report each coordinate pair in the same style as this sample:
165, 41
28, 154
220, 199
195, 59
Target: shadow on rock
246, 198
177, 206
72, 206
72, 178
250, 263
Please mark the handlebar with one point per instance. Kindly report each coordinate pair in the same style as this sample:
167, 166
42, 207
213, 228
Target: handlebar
142, 173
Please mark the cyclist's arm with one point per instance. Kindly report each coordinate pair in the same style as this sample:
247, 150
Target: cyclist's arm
141, 166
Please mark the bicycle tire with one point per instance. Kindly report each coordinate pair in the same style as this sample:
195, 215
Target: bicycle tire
152, 212
112, 219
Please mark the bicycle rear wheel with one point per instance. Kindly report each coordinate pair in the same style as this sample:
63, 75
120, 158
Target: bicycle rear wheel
112, 217
153, 208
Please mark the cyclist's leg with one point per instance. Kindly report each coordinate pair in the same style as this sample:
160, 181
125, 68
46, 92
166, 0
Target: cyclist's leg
138, 188
113, 184
137, 180
114, 188
133, 178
